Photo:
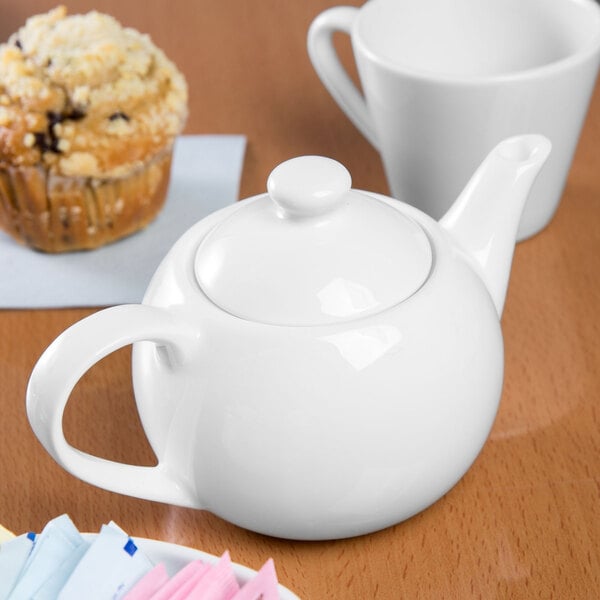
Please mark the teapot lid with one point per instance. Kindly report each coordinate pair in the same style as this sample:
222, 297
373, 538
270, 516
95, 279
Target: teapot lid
312, 251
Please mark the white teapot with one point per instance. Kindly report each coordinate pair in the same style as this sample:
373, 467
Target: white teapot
311, 363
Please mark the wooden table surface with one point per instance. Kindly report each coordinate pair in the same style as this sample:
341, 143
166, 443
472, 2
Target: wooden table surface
524, 522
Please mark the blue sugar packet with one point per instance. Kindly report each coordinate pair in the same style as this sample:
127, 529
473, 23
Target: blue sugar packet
13, 556
55, 545
112, 565
52, 586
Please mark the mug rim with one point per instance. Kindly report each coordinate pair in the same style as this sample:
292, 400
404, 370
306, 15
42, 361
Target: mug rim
571, 60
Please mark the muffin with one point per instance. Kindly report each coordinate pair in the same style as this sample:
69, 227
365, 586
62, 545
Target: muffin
89, 111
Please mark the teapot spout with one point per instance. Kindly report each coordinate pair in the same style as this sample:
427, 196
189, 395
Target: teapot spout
485, 217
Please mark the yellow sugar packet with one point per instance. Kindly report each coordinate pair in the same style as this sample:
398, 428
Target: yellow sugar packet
5, 534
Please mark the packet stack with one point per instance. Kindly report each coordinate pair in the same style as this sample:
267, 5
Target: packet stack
61, 564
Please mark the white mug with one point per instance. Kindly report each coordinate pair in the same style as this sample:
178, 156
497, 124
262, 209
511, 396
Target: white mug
444, 82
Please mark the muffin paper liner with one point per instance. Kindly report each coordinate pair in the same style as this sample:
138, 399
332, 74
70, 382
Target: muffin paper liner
54, 213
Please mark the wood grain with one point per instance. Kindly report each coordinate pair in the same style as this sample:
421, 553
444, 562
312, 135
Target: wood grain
525, 520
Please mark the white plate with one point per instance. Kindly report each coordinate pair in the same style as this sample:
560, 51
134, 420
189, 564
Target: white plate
175, 557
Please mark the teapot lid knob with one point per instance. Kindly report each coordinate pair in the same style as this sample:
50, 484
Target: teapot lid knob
309, 186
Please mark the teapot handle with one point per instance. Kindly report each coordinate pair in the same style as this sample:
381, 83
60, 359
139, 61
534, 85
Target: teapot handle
331, 72
67, 359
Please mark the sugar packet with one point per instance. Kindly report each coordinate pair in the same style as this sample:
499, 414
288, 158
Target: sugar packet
149, 584
61, 563
5, 534
218, 584
263, 586
112, 565
54, 551
13, 556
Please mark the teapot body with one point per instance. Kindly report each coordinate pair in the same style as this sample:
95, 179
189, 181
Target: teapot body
313, 363
326, 431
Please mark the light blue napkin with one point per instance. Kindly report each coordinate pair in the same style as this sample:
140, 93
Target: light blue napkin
205, 177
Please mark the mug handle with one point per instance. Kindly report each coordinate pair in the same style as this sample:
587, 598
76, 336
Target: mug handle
331, 72
66, 360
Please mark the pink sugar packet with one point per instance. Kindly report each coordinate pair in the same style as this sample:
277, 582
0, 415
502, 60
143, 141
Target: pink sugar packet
262, 587
218, 584
67, 564
148, 584
184, 591
183, 582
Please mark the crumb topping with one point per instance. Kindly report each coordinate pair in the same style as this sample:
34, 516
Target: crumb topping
85, 96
